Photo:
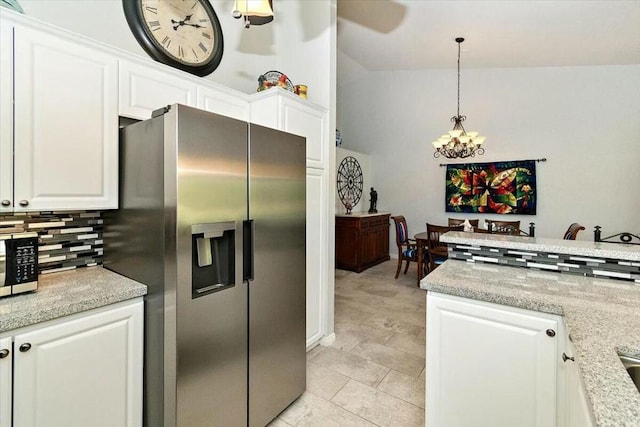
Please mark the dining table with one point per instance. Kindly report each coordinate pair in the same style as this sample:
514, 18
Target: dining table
422, 240
422, 243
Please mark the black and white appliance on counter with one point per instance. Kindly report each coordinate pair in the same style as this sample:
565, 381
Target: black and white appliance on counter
212, 220
18, 263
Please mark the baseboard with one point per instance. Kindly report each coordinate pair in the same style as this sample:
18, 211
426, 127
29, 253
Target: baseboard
328, 340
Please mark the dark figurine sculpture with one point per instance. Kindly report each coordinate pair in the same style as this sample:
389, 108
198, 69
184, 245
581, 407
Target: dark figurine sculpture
373, 194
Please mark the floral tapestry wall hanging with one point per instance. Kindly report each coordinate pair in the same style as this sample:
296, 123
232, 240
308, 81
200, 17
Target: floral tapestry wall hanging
498, 187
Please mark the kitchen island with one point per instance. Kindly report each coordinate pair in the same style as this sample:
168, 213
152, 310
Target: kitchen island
601, 315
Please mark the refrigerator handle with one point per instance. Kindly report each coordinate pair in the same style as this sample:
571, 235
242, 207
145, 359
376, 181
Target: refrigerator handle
248, 229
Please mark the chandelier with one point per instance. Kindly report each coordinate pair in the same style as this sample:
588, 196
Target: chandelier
458, 143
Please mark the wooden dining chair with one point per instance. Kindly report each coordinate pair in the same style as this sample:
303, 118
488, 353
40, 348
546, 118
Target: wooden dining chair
437, 251
503, 227
407, 249
454, 221
572, 231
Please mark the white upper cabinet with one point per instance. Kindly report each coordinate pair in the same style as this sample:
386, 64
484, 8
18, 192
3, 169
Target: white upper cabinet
65, 124
221, 102
144, 89
6, 118
280, 109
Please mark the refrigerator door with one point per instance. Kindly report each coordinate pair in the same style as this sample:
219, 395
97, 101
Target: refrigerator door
211, 308
277, 204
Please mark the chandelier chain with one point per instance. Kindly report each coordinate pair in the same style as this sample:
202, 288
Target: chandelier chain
458, 143
459, 43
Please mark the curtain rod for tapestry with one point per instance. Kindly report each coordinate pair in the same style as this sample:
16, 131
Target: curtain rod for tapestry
544, 159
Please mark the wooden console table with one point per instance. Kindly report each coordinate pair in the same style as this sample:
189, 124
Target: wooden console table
362, 240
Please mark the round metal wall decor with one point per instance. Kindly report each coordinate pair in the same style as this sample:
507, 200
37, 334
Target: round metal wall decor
349, 182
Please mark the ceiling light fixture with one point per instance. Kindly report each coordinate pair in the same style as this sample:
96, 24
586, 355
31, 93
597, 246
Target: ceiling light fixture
255, 12
458, 143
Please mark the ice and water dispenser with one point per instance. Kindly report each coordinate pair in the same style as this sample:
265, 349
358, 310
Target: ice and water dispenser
213, 257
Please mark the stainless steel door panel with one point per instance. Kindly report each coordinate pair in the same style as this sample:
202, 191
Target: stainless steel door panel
277, 359
139, 245
211, 330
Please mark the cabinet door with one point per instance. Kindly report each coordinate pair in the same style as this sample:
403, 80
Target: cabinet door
66, 124
6, 117
281, 110
578, 408
316, 254
221, 102
144, 89
301, 120
489, 365
81, 372
5, 383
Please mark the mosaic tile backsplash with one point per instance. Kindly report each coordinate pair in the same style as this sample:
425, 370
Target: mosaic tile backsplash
68, 240
561, 263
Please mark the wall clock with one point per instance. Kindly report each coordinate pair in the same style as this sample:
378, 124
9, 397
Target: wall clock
349, 182
184, 34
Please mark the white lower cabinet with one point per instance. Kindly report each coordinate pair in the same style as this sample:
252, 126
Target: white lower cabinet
85, 370
6, 362
578, 412
489, 365
316, 244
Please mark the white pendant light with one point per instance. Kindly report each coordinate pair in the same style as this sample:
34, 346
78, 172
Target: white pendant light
255, 12
458, 143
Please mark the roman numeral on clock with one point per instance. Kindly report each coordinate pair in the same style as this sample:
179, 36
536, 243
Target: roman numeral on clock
166, 41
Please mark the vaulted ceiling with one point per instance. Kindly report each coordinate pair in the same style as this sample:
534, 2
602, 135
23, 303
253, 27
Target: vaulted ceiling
378, 35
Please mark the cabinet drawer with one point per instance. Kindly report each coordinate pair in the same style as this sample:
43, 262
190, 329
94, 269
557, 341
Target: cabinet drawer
374, 222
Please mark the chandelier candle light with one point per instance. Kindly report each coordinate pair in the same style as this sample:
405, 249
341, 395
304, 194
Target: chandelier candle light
458, 143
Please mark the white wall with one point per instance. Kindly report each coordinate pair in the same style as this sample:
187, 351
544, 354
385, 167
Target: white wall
584, 120
297, 42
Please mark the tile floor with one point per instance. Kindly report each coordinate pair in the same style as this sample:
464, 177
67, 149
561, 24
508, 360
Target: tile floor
373, 374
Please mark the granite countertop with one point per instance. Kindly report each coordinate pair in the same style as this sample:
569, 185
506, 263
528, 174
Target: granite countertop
572, 247
602, 317
65, 293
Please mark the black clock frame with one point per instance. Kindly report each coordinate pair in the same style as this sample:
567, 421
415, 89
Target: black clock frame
135, 19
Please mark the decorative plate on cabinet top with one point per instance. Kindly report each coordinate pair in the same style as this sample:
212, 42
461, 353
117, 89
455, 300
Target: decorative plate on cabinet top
274, 79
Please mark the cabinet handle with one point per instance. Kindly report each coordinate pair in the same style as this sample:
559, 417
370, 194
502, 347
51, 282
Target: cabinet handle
551, 332
25, 347
6, 202
24, 203
565, 357
4, 353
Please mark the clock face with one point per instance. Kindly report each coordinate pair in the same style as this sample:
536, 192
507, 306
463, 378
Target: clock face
185, 34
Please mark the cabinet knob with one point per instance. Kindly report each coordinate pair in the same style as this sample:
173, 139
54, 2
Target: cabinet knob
565, 357
25, 347
551, 332
24, 203
6, 202
4, 353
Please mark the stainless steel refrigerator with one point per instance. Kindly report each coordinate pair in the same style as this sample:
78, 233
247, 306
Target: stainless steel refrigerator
212, 219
